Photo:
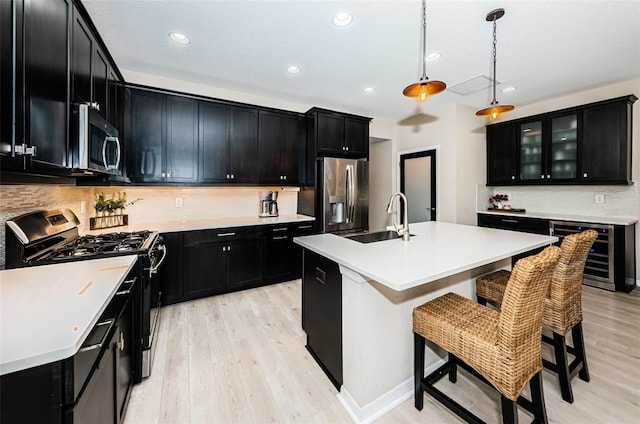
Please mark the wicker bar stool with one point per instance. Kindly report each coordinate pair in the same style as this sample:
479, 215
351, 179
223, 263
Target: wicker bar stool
502, 348
562, 307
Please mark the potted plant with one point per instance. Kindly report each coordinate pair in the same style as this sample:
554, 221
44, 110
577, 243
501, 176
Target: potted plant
109, 212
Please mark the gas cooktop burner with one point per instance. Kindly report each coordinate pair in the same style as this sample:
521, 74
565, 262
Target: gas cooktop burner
102, 244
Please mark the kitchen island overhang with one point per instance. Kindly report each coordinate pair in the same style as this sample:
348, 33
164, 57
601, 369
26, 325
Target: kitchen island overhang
381, 284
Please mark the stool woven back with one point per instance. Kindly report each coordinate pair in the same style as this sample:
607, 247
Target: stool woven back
520, 322
563, 305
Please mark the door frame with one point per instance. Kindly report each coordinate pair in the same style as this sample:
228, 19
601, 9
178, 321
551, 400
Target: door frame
435, 172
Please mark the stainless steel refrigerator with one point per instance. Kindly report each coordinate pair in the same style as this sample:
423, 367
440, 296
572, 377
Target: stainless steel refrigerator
342, 201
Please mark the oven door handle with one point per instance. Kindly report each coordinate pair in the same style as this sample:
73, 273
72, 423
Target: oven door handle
154, 268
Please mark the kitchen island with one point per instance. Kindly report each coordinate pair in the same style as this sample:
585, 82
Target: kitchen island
382, 282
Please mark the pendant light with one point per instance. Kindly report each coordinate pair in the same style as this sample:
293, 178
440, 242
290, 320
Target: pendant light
424, 88
494, 110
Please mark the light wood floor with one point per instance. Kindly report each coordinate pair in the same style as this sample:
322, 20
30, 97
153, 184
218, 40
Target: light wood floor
240, 358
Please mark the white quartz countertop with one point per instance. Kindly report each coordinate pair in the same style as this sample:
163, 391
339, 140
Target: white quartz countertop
559, 217
46, 312
204, 224
437, 250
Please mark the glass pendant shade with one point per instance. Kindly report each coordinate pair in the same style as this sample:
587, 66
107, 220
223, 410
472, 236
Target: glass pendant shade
424, 88
494, 110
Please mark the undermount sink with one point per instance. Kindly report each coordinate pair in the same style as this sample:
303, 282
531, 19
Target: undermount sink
374, 237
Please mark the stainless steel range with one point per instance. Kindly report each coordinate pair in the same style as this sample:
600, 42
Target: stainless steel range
52, 236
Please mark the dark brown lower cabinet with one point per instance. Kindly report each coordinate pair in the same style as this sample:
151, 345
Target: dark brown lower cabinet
203, 265
217, 261
282, 257
322, 313
208, 262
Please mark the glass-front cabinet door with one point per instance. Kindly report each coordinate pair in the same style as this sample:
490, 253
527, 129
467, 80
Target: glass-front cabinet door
531, 151
563, 160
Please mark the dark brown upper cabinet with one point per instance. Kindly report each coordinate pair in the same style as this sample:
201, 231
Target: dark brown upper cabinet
164, 136
281, 146
337, 134
501, 153
93, 77
589, 144
34, 85
606, 141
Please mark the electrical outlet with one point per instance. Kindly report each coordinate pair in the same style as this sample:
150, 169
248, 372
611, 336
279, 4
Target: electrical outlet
178, 202
83, 207
599, 198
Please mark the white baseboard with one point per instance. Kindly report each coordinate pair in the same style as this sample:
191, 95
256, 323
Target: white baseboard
385, 403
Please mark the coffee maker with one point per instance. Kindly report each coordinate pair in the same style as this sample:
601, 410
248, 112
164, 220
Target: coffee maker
268, 203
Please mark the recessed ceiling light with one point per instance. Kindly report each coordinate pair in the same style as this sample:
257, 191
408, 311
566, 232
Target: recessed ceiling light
293, 69
432, 56
509, 89
342, 19
179, 38
368, 90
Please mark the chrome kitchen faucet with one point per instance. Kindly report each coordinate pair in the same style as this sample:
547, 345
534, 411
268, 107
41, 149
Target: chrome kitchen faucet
404, 231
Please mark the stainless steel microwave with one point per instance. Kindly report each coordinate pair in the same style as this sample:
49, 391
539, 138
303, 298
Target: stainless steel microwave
95, 146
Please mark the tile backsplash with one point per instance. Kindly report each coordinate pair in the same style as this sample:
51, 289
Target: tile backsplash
619, 201
157, 204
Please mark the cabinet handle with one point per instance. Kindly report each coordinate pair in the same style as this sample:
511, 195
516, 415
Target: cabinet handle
228, 176
513, 177
347, 148
163, 175
548, 176
511, 221
168, 174
280, 229
108, 322
228, 248
585, 175
542, 176
284, 177
279, 238
128, 289
304, 227
232, 177
226, 234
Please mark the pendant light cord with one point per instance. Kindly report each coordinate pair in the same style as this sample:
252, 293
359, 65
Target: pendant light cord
424, 40
495, 41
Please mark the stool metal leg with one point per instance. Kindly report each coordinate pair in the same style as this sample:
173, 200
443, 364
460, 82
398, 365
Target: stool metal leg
418, 369
562, 367
578, 345
509, 411
482, 301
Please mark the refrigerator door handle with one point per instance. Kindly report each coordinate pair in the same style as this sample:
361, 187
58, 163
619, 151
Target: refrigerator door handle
351, 206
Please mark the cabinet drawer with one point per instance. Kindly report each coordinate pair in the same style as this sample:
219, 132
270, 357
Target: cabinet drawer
514, 223
304, 229
192, 238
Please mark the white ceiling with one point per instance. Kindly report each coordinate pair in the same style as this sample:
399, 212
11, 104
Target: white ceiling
545, 48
